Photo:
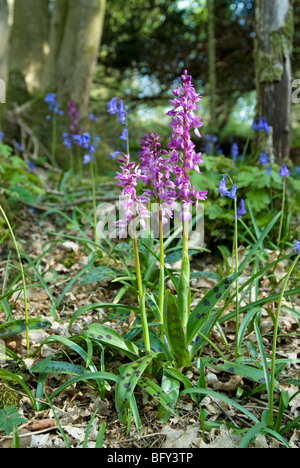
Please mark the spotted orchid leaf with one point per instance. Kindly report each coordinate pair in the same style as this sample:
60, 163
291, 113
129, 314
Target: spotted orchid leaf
174, 331
237, 368
111, 338
164, 398
184, 292
60, 367
19, 326
203, 315
130, 375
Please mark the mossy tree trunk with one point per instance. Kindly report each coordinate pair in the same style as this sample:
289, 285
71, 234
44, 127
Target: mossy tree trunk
273, 48
76, 32
28, 48
4, 34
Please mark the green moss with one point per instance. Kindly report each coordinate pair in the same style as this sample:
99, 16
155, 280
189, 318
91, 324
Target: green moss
270, 64
8, 397
70, 260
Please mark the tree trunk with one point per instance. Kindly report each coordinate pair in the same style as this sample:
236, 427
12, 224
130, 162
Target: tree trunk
212, 62
76, 31
274, 39
4, 33
29, 44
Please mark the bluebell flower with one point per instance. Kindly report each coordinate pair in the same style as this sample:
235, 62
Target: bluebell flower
121, 113
118, 109
284, 172
234, 151
114, 154
296, 247
232, 193
297, 169
50, 99
1, 136
77, 139
263, 159
67, 142
223, 191
18, 147
124, 135
112, 107
31, 166
87, 158
241, 210
268, 171
93, 118
261, 124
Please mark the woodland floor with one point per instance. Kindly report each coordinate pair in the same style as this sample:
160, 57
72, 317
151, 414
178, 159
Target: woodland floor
75, 405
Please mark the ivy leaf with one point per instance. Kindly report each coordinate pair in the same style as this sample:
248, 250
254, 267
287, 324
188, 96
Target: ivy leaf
9, 417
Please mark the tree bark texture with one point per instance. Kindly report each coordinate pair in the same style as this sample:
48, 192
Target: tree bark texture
4, 34
29, 45
273, 48
76, 32
212, 62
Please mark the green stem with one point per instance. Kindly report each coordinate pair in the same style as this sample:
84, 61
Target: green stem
184, 278
22, 274
92, 176
282, 212
53, 149
161, 296
274, 346
248, 230
141, 293
237, 283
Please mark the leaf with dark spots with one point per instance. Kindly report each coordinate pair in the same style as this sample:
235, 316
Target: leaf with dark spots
175, 331
58, 367
204, 315
238, 368
19, 326
130, 378
111, 338
160, 395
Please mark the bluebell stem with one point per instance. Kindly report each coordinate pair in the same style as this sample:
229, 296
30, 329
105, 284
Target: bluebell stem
224, 192
284, 173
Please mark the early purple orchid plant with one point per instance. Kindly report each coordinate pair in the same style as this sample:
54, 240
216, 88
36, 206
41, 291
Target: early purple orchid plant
184, 158
166, 174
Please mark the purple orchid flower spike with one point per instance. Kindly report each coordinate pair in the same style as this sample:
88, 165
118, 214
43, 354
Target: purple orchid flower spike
183, 156
132, 204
